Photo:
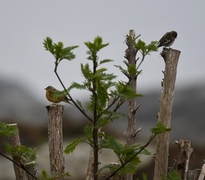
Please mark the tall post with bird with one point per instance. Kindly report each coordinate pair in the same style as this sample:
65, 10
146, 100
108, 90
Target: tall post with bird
55, 133
171, 57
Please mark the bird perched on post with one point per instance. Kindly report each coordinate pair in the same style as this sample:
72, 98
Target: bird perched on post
56, 96
168, 39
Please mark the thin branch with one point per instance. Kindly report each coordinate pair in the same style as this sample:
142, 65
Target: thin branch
113, 102
129, 160
19, 165
134, 111
138, 36
140, 62
78, 107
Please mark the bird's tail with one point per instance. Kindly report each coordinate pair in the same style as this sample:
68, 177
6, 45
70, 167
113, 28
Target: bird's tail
67, 101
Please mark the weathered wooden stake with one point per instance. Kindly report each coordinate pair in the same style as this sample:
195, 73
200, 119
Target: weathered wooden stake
55, 139
202, 173
171, 58
185, 151
15, 141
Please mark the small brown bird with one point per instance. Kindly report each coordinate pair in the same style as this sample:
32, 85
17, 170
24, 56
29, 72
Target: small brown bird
56, 96
168, 39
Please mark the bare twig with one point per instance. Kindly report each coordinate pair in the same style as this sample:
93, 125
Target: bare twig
19, 165
70, 97
140, 62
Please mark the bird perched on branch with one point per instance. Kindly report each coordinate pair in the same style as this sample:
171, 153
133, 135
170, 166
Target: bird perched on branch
168, 39
56, 96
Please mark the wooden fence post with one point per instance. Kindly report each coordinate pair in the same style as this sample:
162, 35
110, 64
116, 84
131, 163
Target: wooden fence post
55, 140
185, 151
15, 141
202, 173
171, 58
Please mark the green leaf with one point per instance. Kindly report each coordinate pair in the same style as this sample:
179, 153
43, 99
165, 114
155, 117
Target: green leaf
126, 91
130, 167
87, 73
80, 105
112, 167
132, 69
7, 130
144, 176
146, 49
102, 91
121, 69
141, 46
98, 43
159, 128
152, 47
111, 143
103, 121
48, 45
94, 48
59, 45
145, 152
108, 116
173, 175
58, 50
99, 71
46, 176
25, 154
67, 54
71, 147
105, 61
76, 86
89, 133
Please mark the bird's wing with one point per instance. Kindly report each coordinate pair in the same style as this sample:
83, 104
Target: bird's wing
166, 39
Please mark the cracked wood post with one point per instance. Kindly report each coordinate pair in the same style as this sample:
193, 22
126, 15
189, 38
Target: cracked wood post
202, 173
185, 151
15, 141
171, 57
55, 140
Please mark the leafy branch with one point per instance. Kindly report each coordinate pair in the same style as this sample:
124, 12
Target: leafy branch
160, 128
19, 165
105, 92
60, 53
6, 130
25, 155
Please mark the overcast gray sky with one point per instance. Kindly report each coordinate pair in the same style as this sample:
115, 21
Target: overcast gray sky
25, 24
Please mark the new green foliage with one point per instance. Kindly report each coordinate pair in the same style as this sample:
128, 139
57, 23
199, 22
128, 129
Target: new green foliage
107, 95
6, 130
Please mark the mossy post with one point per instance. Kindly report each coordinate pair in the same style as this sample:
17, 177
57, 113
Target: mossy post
171, 57
15, 141
55, 140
